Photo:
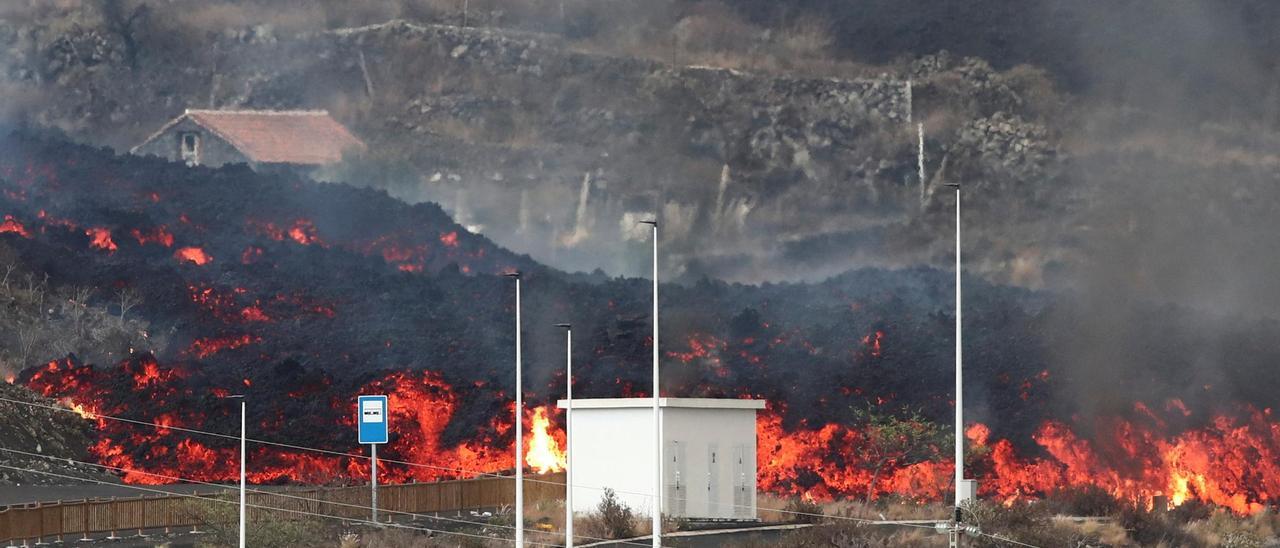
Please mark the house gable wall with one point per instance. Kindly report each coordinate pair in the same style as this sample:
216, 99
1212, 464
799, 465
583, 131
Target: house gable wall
214, 151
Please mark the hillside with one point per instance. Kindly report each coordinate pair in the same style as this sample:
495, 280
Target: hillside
300, 319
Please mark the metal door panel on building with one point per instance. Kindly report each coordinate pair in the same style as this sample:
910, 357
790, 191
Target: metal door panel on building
714, 462
743, 481
677, 483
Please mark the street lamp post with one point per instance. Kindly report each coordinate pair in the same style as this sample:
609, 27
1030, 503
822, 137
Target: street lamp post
568, 434
242, 462
519, 419
657, 419
959, 389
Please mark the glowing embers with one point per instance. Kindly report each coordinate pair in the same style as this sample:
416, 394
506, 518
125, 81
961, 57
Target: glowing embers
302, 231
203, 348
874, 343
158, 235
13, 226
238, 305
194, 255
100, 238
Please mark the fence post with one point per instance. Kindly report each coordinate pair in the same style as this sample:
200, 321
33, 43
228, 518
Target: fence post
62, 511
84, 520
113, 536
40, 521
142, 521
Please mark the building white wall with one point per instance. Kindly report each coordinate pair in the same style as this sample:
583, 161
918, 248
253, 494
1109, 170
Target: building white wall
613, 447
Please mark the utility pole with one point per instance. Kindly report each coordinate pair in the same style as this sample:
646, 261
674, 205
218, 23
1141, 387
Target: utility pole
519, 417
242, 398
657, 417
959, 420
568, 435
242, 459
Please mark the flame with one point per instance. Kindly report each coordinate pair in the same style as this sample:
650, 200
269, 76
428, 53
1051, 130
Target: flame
449, 239
84, 412
100, 238
542, 451
192, 254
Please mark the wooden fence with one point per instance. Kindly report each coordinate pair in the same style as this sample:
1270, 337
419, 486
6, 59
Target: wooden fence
35, 522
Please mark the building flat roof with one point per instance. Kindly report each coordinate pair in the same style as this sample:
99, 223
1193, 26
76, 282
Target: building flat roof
692, 403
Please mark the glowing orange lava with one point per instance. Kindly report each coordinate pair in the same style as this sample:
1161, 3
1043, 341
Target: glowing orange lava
100, 238
192, 255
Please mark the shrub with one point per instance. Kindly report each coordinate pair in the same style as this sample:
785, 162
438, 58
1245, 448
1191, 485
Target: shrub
803, 511
613, 518
1149, 528
1088, 500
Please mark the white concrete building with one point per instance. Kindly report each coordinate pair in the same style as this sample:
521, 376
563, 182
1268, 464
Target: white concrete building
709, 455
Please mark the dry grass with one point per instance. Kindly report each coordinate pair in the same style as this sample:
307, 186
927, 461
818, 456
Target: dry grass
772, 509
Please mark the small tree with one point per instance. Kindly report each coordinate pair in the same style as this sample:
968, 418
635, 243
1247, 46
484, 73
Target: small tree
128, 298
889, 440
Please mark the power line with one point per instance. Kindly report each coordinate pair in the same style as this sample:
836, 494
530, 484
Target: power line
411, 514
407, 463
282, 495
263, 442
272, 508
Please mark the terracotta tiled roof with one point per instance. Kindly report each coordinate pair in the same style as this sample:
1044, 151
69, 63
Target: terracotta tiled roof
289, 137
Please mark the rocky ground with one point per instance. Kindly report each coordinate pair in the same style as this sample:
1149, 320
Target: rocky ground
36, 441
553, 148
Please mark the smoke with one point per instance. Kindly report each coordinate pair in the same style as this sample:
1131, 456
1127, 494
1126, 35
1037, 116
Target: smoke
1175, 177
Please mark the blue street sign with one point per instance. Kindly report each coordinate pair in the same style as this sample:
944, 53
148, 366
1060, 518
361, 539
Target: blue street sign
371, 416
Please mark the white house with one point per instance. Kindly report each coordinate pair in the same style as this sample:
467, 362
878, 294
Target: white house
709, 456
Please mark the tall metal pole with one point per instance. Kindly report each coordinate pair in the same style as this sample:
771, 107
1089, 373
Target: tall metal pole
657, 418
373, 479
568, 436
959, 370
519, 415
242, 458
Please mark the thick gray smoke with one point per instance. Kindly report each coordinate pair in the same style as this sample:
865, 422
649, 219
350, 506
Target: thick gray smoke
1173, 159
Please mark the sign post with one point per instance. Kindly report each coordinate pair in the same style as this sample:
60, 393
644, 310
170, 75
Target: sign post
371, 417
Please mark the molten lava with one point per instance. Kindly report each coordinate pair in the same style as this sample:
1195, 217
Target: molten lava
192, 255
100, 238
12, 226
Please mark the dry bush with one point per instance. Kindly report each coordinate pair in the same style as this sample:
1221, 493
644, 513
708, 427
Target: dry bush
852, 534
1149, 528
1086, 500
1026, 523
613, 519
1223, 528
